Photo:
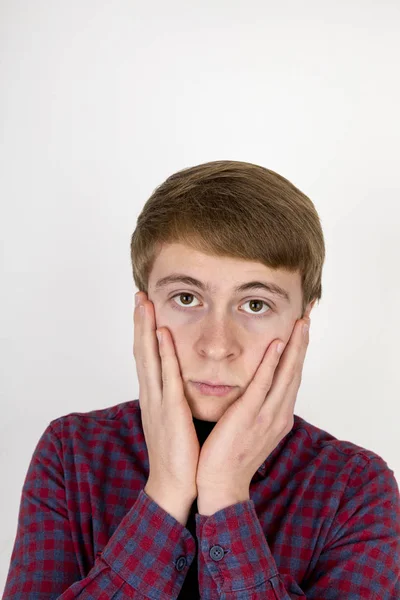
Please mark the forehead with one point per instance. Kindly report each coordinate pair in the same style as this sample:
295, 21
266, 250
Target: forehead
219, 274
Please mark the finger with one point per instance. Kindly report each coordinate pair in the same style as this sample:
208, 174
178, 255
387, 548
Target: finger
148, 363
287, 376
172, 386
291, 363
274, 372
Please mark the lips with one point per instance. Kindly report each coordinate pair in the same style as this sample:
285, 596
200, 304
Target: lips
215, 383
213, 390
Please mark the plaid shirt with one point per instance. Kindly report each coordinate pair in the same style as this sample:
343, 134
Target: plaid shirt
322, 522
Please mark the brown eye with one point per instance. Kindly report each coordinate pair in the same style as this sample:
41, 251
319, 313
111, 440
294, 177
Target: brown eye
185, 295
259, 302
256, 301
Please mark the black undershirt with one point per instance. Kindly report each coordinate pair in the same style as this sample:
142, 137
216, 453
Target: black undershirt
190, 588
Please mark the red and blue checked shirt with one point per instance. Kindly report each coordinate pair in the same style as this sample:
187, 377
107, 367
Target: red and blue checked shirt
322, 522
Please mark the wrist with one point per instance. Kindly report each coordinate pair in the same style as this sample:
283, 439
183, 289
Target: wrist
159, 489
176, 505
210, 502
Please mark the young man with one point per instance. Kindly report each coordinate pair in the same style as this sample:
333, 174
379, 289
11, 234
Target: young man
207, 491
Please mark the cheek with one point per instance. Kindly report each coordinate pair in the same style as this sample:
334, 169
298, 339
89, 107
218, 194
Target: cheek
284, 328
181, 336
253, 357
164, 318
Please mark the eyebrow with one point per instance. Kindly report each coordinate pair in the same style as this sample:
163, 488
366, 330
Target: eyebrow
269, 286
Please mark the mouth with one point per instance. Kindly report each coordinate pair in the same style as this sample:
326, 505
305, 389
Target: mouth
212, 390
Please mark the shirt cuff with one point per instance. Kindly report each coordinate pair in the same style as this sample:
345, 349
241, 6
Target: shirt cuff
151, 550
233, 550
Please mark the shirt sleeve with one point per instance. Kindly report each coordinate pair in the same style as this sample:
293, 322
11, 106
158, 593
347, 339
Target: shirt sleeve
360, 559
148, 555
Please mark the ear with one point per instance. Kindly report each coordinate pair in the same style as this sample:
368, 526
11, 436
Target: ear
309, 308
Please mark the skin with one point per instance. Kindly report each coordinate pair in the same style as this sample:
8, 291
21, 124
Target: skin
218, 336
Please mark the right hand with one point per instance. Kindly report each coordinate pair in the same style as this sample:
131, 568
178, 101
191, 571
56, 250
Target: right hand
171, 438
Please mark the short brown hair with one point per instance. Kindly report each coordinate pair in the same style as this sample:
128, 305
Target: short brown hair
232, 209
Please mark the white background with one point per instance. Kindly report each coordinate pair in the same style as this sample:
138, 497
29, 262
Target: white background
100, 102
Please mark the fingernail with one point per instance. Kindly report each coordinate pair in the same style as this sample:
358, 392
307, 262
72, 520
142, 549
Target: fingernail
280, 348
306, 327
136, 299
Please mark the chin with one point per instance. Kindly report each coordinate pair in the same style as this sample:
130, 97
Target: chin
209, 408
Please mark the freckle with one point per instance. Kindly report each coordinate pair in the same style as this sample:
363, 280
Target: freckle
241, 457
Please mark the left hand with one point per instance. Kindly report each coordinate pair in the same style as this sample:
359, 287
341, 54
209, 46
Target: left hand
254, 424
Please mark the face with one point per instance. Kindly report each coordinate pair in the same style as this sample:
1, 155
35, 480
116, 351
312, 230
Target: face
221, 334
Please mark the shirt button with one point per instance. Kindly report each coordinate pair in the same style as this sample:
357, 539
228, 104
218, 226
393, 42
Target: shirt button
217, 553
181, 563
